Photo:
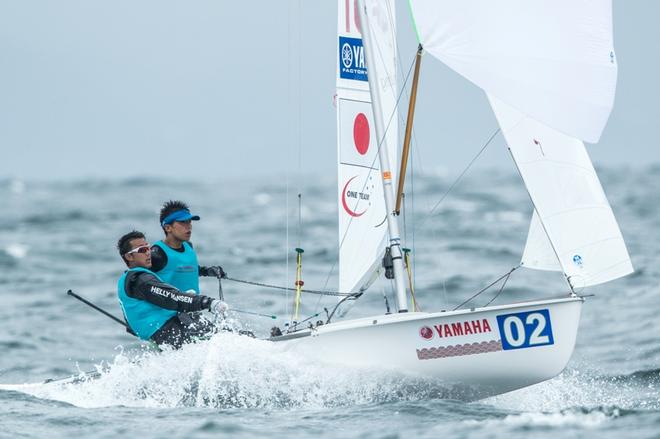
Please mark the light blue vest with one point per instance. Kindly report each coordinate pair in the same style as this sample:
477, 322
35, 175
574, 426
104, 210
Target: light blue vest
143, 317
182, 269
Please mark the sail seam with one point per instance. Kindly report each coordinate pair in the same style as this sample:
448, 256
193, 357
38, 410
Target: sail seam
575, 209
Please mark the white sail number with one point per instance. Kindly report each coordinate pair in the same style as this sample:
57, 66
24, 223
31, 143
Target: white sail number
525, 329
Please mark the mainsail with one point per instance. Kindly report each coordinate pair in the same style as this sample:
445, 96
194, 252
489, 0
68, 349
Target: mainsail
362, 213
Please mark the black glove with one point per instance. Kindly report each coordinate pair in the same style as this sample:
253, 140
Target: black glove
215, 271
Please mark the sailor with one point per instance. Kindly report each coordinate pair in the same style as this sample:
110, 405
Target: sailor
156, 310
173, 258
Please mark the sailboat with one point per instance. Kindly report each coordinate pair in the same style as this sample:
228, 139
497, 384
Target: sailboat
548, 69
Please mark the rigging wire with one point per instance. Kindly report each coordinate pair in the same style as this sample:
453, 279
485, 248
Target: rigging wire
467, 168
299, 145
500, 291
295, 129
304, 290
444, 195
286, 178
506, 275
413, 213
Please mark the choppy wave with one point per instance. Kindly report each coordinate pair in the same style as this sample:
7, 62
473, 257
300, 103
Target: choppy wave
231, 371
61, 235
576, 388
574, 417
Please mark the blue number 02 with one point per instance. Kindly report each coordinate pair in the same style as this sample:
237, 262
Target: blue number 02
525, 329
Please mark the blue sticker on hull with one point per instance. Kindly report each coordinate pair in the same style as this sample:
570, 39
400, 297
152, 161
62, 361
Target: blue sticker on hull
525, 329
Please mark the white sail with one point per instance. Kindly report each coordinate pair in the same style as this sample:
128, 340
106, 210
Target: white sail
539, 253
569, 199
551, 59
361, 206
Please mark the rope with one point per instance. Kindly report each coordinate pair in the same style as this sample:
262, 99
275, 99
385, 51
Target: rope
278, 287
490, 285
415, 305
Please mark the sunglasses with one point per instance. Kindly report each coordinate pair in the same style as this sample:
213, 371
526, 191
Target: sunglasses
142, 250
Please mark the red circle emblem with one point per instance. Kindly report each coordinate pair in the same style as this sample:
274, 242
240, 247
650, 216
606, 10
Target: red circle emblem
361, 133
426, 333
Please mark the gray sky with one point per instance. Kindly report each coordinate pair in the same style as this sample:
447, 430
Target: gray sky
227, 88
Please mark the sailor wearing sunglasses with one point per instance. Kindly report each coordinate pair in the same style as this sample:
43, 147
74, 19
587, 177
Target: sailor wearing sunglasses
156, 310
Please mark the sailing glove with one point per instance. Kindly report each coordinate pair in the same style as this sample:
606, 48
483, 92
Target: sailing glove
218, 307
215, 271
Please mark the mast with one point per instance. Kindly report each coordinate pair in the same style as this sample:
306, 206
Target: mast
386, 174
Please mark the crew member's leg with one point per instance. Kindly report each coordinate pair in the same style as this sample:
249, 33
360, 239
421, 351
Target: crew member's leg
181, 329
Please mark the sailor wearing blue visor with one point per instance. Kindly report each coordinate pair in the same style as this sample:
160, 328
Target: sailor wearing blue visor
174, 258
183, 215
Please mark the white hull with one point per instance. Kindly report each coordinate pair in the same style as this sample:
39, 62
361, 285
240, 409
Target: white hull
486, 351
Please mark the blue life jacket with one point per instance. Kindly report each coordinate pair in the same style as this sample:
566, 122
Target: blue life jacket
182, 269
143, 317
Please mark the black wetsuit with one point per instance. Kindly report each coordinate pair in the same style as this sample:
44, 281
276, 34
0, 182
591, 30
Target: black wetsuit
186, 325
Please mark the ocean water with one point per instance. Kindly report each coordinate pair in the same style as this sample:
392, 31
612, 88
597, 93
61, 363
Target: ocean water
61, 235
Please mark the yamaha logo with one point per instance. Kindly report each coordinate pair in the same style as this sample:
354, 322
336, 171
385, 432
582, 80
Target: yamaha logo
426, 333
347, 55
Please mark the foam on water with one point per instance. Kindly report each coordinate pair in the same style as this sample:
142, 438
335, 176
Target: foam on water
16, 250
576, 388
231, 371
564, 418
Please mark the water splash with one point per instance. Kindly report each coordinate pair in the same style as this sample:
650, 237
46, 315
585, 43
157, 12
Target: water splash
232, 371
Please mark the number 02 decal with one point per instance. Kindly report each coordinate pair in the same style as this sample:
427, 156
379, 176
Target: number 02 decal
525, 329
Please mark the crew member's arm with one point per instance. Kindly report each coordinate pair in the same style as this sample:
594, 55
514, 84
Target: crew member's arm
145, 286
212, 271
158, 258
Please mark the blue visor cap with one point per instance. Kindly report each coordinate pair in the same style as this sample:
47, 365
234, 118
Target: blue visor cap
179, 215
